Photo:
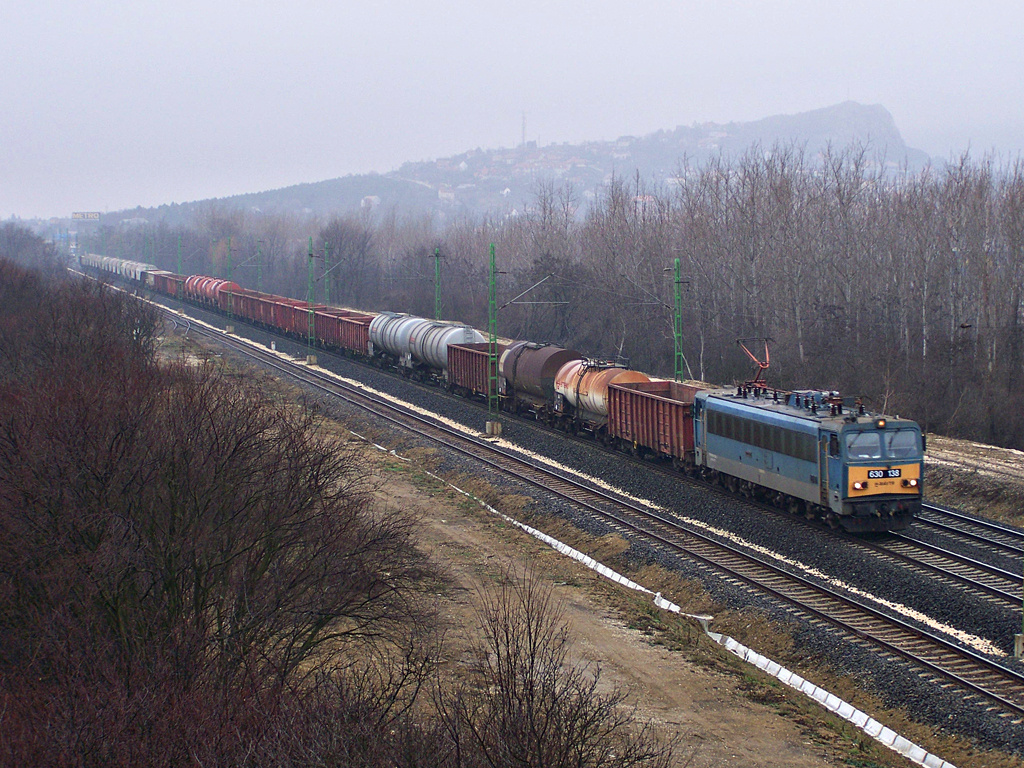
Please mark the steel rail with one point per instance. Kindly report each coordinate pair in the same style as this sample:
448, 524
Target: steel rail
968, 669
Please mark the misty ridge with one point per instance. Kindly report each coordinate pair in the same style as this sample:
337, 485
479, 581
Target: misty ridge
503, 182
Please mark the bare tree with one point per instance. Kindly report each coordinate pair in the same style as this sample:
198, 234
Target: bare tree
526, 704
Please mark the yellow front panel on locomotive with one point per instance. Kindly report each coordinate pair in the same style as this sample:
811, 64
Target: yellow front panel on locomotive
871, 481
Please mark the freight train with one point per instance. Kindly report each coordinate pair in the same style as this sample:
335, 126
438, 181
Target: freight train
810, 452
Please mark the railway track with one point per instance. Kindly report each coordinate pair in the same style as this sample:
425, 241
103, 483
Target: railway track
1002, 539
982, 679
971, 573
948, 566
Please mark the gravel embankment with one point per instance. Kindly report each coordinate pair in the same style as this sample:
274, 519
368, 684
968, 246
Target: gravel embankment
810, 550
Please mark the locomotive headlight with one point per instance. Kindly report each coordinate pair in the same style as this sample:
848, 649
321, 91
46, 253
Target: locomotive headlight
880, 423
910, 483
860, 485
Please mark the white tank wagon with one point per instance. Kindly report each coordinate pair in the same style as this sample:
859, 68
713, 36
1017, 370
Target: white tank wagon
416, 343
130, 270
429, 343
390, 334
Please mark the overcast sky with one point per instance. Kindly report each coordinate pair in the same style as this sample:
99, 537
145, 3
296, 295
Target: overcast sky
107, 104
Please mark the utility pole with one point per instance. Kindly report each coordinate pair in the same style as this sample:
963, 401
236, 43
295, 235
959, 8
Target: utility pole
493, 405
327, 269
437, 283
310, 358
259, 273
231, 295
179, 283
678, 323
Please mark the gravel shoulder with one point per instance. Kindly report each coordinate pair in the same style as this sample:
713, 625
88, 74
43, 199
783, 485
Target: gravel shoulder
708, 708
723, 712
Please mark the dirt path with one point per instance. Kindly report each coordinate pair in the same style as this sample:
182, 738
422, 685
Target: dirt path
723, 712
717, 722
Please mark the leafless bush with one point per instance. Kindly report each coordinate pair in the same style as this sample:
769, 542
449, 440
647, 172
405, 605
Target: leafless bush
185, 561
526, 703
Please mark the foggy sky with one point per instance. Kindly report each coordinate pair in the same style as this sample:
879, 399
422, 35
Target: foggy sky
107, 104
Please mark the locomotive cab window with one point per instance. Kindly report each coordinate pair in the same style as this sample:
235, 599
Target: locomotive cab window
902, 444
863, 445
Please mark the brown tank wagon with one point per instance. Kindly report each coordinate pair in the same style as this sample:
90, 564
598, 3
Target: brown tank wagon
526, 374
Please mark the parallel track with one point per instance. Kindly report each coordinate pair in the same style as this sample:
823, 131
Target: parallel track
981, 678
970, 574
1000, 538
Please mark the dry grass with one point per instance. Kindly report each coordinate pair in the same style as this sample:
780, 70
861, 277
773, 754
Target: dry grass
965, 487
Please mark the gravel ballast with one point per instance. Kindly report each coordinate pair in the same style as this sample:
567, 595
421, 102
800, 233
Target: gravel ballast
812, 552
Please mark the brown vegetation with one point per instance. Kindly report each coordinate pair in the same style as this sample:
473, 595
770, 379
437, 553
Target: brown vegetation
192, 573
905, 289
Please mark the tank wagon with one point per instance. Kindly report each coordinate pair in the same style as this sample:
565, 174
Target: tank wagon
581, 392
416, 346
526, 376
810, 452
207, 291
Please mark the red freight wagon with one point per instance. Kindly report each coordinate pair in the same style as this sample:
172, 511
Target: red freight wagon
246, 303
224, 295
168, 283
300, 317
326, 325
282, 312
467, 367
656, 415
354, 333
263, 308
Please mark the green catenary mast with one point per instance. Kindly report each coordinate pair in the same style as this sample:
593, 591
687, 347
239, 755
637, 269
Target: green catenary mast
327, 271
179, 282
231, 294
309, 299
492, 348
678, 323
437, 283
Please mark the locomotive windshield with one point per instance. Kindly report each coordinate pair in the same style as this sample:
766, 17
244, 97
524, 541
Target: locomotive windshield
892, 444
902, 444
864, 445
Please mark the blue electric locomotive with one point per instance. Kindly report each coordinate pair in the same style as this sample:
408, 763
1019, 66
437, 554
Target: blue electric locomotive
812, 453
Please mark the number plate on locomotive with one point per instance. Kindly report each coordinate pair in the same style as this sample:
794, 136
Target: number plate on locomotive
876, 474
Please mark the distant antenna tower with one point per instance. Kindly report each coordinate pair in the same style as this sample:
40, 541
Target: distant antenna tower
524, 129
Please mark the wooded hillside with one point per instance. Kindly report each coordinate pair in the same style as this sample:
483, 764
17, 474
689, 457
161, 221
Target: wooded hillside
906, 289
